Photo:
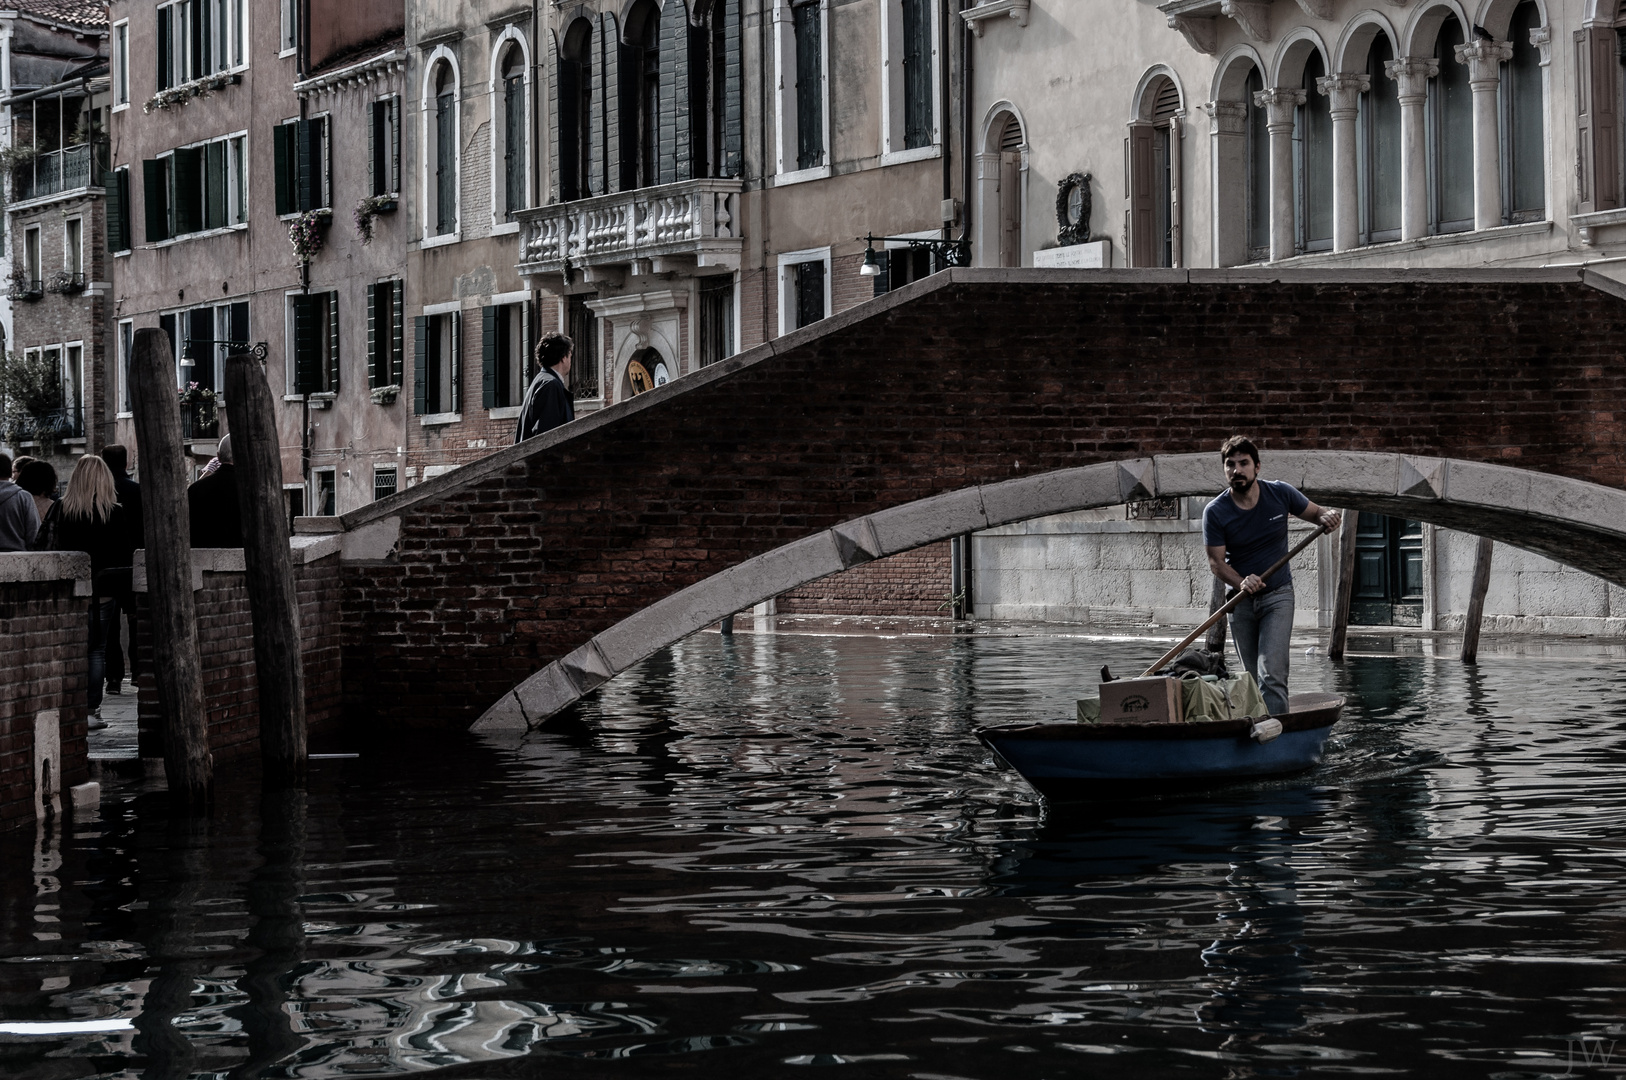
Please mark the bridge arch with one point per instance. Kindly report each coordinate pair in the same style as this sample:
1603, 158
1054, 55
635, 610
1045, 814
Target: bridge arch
1573, 521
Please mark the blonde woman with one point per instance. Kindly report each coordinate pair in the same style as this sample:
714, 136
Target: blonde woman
90, 519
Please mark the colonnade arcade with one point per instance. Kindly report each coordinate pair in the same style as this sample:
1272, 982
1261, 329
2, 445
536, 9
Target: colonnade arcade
1393, 132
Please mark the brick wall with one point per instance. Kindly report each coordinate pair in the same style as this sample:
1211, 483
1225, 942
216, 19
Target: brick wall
913, 583
967, 378
46, 630
226, 641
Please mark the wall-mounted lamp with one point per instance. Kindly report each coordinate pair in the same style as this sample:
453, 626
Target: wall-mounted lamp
947, 252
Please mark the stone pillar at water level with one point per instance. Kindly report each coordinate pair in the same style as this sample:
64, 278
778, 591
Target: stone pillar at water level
1484, 59
1280, 103
1413, 73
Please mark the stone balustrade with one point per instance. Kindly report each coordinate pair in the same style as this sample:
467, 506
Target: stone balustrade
694, 222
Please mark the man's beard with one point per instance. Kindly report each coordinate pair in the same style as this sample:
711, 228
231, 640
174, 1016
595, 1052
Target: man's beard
1240, 485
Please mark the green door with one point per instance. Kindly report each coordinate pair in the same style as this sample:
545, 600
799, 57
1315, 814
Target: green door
1388, 572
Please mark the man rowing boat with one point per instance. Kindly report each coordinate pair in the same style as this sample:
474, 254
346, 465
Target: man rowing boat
1245, 531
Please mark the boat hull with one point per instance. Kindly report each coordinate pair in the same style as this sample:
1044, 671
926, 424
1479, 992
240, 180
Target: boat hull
1069, 755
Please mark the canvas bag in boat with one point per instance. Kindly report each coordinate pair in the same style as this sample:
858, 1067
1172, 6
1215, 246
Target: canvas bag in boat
1222, 699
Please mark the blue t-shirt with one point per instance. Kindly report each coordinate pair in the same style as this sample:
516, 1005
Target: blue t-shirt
1254, 539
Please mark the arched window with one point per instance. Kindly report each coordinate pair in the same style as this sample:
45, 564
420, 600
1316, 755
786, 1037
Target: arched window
1379, 149
576, 112
1524, 186
512, 190
1312, 147
1011, 141
442, 157
1258, 172
641, 100
1451, 137
1154, 176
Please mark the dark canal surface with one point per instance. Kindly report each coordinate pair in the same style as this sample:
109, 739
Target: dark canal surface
755, 855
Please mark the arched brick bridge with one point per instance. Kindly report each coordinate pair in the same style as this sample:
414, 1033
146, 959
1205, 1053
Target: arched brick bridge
1488, 401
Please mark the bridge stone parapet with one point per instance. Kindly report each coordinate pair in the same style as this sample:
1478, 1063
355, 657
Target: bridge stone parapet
1482, 401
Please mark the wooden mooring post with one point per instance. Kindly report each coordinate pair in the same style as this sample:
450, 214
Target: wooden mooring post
1346, 585
1476, 601
272, 598
177, 662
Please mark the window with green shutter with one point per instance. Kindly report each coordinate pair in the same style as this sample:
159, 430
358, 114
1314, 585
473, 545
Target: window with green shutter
807, 23
117, 184
285, 167
155, 195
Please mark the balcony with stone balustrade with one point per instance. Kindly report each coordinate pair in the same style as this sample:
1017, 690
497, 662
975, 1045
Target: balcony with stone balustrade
685, 227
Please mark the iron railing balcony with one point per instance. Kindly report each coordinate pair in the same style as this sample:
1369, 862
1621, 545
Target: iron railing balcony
52, 425
694, 223
68, 169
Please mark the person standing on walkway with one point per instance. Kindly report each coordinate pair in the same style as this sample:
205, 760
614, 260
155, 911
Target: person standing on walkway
212, 499
38, 478
1245, 531
92, 521
129, 494
547, 400
19, 518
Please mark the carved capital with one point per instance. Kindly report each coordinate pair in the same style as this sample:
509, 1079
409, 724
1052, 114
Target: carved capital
1252, 15
1317, 9
1279, 103
1344, 91
1227, 117
1542, 38
1199, 31
1484, 59
1412, 73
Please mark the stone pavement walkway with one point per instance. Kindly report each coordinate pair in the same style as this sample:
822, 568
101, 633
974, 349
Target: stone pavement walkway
117, 740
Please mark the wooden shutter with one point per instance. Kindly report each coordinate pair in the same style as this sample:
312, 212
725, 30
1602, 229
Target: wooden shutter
395, 144
199, 327
373, 296
1142, 186
214, 185
607, 106
307, 345
186, 175
284, 155
376, 117
488, 356
457, 362
809, 84
445, 163
165, 44
155, 198
1598, 119
239, 325
733, 91
397, 342
527, 346
516, 197
556, 161
307, 166
420, 364
676, 147
333, 342
198, 25
917, 74
118, 196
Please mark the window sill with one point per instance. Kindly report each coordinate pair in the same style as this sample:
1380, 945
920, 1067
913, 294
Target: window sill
1586, 225
505, 228
919, 153
120, 108
46, 200
802, 176
124, 416
504, 412
125, 254
318, 401
1422, 243
203, 235
440, 419
440, 241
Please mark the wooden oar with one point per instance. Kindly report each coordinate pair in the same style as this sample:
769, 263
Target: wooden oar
1231, 603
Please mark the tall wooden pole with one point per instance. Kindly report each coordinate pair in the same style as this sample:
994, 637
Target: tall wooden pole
177, 663
272, 598
1476, 601
1346, 585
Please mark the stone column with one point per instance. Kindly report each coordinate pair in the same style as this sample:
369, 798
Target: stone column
1484, 59
1228, 129
1413, 73
985, 252
1279, 102
1345, 90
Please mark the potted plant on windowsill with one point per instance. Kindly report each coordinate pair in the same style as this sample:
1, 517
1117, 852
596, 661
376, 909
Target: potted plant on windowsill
385, 395
21, 287
367, 211
305, 234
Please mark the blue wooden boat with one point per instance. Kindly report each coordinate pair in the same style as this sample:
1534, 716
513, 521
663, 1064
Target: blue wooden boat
1068, 758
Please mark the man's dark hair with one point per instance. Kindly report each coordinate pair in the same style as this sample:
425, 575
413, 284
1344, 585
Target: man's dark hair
5, 468
552, 349
37, 478
1239, 444
117, 458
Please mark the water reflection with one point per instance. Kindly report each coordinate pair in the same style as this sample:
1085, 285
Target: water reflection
769, 853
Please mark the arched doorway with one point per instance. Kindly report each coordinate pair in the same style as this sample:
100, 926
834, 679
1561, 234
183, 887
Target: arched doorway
1002, 172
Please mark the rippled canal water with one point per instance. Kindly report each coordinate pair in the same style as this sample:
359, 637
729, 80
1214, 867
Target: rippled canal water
756, 854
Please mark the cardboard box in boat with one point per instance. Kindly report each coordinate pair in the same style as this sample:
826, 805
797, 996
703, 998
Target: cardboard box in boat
1141, 701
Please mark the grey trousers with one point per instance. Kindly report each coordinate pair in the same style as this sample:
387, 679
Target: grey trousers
1262, 627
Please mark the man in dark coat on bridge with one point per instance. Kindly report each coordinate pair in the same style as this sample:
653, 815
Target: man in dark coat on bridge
548, 402
216, 520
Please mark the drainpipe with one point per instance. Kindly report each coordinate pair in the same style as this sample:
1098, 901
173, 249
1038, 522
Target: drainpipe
967, 81
946, 95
